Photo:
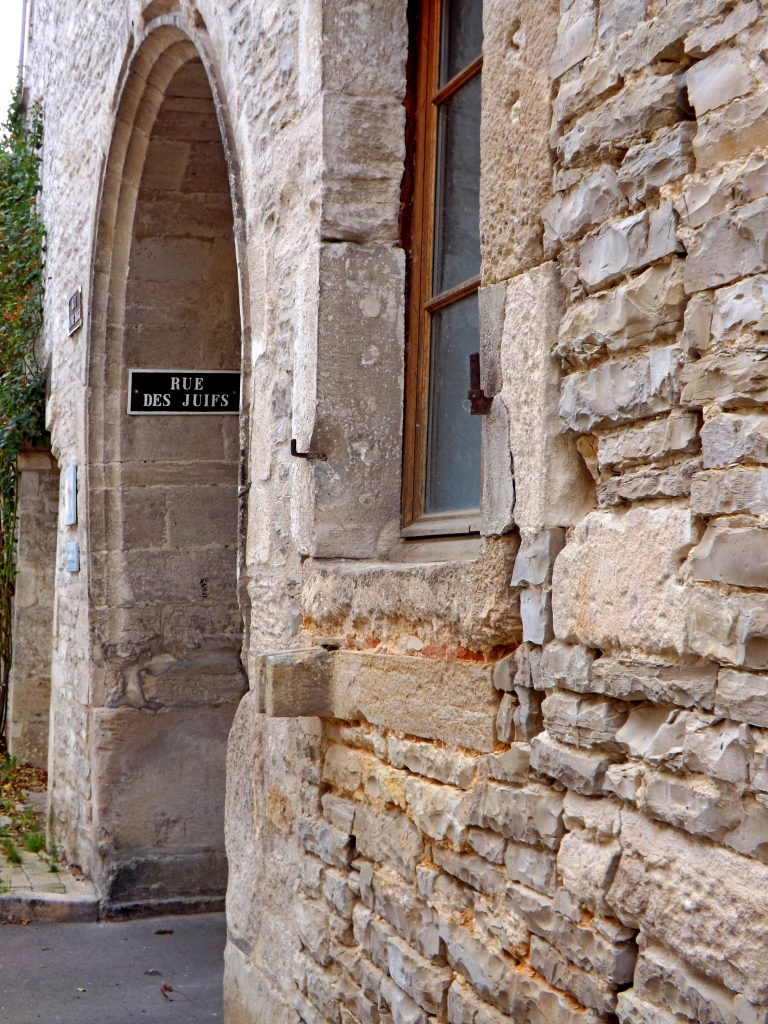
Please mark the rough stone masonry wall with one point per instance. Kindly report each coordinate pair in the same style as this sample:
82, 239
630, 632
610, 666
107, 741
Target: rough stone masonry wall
566, 831
600, 850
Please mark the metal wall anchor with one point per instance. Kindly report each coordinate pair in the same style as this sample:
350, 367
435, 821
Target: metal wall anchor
479, 402
317, 456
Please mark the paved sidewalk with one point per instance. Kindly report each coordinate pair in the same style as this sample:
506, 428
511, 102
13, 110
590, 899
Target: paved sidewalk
31, 891
154, 970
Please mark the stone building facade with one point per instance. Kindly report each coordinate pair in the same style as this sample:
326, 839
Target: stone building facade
519, 773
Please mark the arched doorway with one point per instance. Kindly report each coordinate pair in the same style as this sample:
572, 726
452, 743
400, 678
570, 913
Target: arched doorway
161, 501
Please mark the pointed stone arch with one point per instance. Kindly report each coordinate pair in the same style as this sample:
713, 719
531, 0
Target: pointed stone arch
159, 496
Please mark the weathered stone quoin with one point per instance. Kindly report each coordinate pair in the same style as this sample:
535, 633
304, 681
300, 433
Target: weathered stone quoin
517, 775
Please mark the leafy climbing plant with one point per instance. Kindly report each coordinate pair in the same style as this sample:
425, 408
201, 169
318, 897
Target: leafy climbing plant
22, 388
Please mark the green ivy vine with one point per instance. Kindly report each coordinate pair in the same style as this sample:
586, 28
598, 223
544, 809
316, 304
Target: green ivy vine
22, 385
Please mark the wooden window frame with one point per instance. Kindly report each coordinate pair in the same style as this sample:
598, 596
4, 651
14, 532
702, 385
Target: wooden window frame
429, 96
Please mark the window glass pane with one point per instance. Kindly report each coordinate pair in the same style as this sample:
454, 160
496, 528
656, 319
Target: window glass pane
457, 197
462, 36
453, 439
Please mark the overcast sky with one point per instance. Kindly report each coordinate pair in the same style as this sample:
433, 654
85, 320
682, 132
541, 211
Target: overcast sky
10, 29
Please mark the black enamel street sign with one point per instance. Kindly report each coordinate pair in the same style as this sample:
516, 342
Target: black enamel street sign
180, 392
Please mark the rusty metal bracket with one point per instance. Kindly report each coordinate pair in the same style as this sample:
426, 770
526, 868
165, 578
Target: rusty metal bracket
479, 402
316, 456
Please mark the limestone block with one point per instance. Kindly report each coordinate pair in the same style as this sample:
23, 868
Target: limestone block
156, 810
707, 904
435, 762
695, 803
734, 437
388, 837
731, 555
475, 871
531, 866
735, 490
362, 51
498, 481
531, 814
403, 1009
347, 399
648, 166
516, 167
646, 308
743, 696
730, 628
551, 482
568, 666
653, 36
697, 323
456, 602
750, 836
728, 380
748, 1013
396, 901
296, 683
576, 768
583, 721
618, 17
506, 670
577, 90
737, 130
587, 989
363, 154
706, 37
673, 481
598, 820
527, 715
652, 441
505, 726
440, 812
312, 921
592, 946
489, 974
717, 80
248, 991
536, 614
510, 766
423, 981
340, 812
343, 767
625, 781
326, 841
619, 391
759, 773
451, 701
535, 557
637, 602
575, 36
488, 845
492, 301
593, 200
738, 184
627, 245
741, 307
633, 114
727, 247
632, 1010
663, 979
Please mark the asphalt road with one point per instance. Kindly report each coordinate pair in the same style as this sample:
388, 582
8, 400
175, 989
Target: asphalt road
154, 970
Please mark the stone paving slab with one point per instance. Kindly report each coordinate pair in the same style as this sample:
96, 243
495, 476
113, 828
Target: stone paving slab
30, 891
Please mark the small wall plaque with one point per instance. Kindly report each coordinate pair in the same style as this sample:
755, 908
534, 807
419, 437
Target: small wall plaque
69, 495
72, 556
183, 392
75, 311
